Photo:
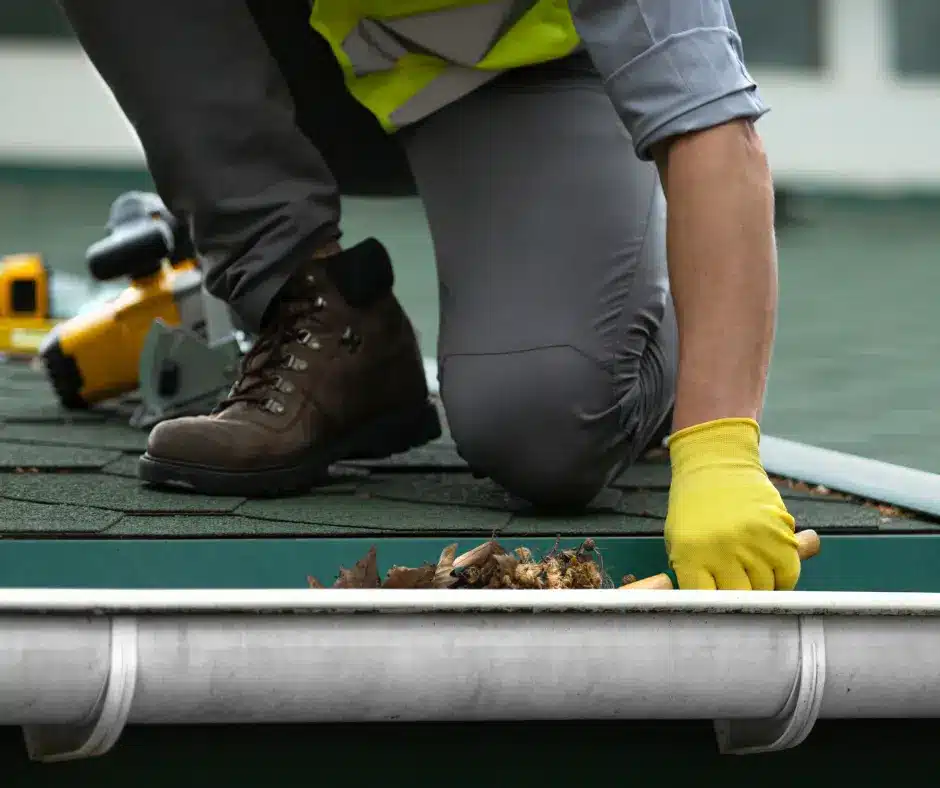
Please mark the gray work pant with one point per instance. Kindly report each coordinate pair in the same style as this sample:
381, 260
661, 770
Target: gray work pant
557, 349
558, 340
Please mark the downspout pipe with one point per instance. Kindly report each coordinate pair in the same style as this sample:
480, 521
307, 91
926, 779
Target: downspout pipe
76, 666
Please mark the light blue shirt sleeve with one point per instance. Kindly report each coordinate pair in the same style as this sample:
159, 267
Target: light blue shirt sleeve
669, 66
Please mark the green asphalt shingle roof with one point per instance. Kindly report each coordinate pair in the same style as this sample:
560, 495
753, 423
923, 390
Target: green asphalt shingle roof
73, 475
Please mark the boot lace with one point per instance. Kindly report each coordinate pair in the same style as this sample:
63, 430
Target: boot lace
296, 320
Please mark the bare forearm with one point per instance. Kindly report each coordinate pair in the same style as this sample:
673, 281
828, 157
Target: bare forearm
723, 270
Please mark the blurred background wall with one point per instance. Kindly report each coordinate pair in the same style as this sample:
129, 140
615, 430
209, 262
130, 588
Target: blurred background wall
855, 85
853, 139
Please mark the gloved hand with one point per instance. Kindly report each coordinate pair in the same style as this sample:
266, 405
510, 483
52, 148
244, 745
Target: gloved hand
727, 527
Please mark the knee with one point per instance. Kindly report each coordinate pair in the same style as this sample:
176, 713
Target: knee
539, 423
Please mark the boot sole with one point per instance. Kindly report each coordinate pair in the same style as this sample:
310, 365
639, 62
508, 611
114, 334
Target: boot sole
391, 434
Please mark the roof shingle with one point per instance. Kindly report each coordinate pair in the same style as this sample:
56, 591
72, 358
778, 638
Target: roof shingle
74, 474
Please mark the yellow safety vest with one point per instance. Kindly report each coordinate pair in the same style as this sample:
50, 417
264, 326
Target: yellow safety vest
404, 59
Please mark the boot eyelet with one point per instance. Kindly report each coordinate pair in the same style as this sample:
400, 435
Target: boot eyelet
284, 386
350, 339
295, 363
307, 339
319, 303
310, 279
273, 406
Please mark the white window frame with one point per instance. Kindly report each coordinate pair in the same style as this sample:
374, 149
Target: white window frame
854, 124
857, 123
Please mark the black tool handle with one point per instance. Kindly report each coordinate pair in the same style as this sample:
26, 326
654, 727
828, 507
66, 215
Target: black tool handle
135, 250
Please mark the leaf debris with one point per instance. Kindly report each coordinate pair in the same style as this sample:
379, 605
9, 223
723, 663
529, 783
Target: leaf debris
488, 565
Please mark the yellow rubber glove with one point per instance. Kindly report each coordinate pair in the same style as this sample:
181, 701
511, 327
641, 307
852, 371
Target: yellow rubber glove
727, 527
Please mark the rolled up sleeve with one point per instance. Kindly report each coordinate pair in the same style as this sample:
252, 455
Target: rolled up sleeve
669, 66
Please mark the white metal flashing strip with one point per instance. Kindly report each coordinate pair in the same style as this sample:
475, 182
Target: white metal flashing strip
430, 372
908, 488
875, 480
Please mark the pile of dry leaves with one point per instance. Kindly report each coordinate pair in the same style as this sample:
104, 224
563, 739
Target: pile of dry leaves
486, 566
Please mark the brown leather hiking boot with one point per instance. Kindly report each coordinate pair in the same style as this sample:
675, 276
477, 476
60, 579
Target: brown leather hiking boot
336, 374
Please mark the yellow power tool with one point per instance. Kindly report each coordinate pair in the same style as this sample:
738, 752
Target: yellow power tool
129, 342
25, 303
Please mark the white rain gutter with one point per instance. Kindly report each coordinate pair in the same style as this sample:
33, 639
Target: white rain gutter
76, 666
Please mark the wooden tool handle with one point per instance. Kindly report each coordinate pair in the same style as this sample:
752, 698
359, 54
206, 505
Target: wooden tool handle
807, 545
655, 583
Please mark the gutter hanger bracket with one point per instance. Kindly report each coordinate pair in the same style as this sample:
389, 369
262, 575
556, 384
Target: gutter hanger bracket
96, 736
793, 724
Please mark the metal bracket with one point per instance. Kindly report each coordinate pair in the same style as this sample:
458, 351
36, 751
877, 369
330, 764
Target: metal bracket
51, 743
181, 374
799, 714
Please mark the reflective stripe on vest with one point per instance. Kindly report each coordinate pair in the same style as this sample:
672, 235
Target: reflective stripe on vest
404, 59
